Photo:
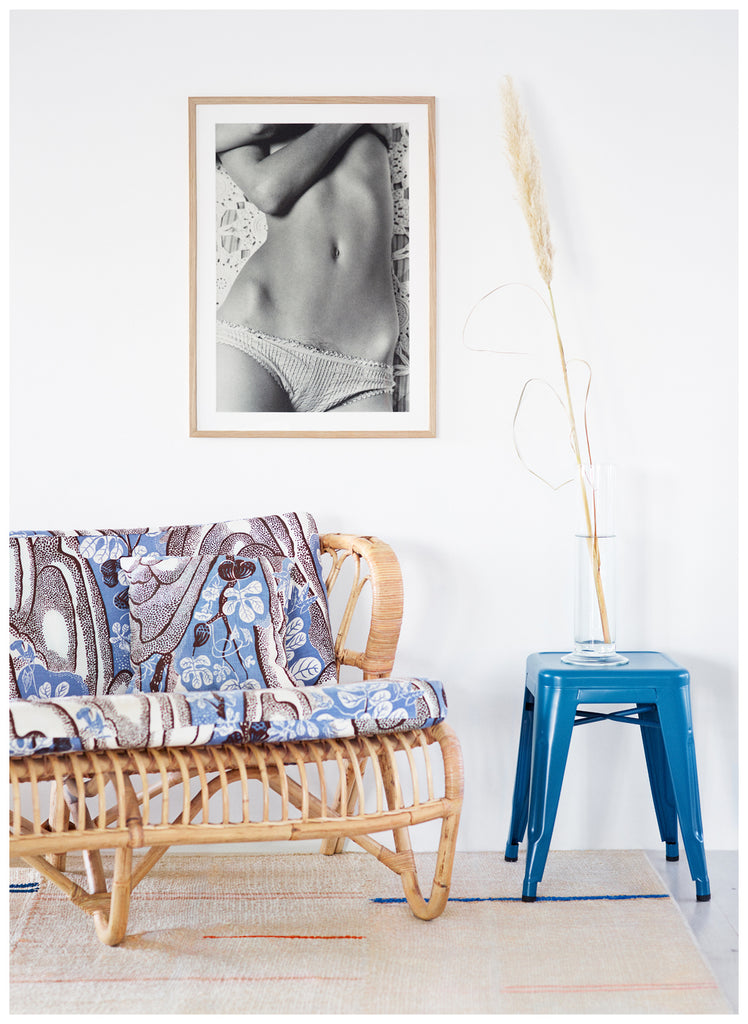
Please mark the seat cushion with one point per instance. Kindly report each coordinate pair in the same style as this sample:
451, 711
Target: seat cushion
139, 720
70, 627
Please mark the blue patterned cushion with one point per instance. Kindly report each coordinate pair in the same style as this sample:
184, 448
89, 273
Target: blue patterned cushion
69, 618
205, 622
69, 621
139, 720
290, 543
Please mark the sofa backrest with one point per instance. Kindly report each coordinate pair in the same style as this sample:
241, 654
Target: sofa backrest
72, 617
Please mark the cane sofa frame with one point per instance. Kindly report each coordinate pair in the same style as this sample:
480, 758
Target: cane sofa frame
125, 800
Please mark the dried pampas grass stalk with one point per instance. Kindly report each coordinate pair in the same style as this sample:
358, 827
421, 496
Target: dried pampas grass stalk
525, 165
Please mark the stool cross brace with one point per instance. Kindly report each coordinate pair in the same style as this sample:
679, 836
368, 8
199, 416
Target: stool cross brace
623, 715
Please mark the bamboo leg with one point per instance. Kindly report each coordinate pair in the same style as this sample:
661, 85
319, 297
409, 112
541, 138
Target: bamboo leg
427, 910
111, 926
454, 783
337, 843
111, 923
94, 870
59, 819
91, 858
401, 836
453, 777
78, 896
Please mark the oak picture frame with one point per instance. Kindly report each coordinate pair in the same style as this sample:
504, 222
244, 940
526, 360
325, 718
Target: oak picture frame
223, 228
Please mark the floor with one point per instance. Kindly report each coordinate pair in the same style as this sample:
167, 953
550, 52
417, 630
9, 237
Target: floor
714, 924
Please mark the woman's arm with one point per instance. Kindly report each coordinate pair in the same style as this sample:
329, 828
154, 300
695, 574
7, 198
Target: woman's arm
231, 136
274, 181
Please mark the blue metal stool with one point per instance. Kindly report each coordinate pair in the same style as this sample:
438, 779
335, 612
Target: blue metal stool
659, 689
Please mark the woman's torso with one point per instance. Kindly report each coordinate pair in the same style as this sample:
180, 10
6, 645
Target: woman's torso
324, 273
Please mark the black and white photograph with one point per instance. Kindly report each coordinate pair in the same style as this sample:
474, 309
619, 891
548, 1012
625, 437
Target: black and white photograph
312, 267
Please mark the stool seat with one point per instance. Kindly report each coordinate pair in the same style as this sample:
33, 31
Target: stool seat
659, 691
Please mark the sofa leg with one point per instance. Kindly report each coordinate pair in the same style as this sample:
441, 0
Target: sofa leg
337, 843
111, 926
427, 910
332, 846
59, 821
109, 909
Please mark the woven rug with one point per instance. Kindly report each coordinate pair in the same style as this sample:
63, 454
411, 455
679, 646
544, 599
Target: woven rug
304, 933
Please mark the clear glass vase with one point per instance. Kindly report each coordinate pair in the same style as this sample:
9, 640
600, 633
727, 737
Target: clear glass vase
595, 570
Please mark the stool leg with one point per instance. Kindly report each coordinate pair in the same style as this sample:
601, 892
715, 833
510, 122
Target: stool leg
660, 782
520, 799
677, 733
552, 728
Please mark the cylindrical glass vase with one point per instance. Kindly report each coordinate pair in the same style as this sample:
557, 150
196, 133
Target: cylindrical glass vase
595, 570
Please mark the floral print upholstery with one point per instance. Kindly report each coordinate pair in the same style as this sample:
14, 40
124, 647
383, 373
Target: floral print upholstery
186, 635
69, 619
211, 622
290, 544
137, 721
70, 630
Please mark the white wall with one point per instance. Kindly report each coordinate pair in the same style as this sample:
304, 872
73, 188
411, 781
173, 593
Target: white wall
635, 116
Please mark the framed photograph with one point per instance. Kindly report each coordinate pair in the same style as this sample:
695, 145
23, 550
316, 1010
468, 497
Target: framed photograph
312, 267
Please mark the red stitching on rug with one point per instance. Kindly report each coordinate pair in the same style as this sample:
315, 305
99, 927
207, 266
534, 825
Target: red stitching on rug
60, 896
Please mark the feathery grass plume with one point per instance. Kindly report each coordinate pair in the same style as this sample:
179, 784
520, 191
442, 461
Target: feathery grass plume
525, 165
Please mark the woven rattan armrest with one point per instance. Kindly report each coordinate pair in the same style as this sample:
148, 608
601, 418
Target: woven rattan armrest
386, 584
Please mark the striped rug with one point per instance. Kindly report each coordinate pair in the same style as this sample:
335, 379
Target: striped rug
302, 933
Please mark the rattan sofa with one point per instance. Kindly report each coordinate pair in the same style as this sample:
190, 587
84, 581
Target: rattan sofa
91, 788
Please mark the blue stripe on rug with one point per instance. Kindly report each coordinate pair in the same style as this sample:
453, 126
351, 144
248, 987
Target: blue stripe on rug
24, 887
539, 899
